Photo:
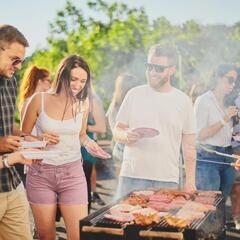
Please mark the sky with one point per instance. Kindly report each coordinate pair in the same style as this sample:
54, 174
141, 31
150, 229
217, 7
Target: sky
32, 17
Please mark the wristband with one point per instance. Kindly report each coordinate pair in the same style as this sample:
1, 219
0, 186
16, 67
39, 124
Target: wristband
223, 122
85, 143
5, 161
23, 135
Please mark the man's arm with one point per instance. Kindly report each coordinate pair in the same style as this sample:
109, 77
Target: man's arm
13, 158
189, 156
9, 144
123, 134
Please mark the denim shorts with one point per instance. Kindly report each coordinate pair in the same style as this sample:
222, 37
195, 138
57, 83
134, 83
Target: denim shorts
63, 184
129, 184
213, 176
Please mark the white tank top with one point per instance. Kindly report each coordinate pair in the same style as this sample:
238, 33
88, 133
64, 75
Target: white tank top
68, 131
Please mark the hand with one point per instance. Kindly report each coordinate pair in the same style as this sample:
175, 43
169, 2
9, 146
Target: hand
95, 150
132, 137
237, 166
189, 187
30, 138
50, 137
17, 157
9, 143
230, 112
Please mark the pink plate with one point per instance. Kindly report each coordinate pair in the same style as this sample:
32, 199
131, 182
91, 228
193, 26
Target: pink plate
99, 154
146, 132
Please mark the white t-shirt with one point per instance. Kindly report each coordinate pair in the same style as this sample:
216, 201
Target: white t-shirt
172, 115
208, 112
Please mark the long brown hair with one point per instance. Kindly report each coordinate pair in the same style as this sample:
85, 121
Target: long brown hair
63, 78
30, 80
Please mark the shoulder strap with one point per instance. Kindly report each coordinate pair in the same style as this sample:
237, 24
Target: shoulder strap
42, 101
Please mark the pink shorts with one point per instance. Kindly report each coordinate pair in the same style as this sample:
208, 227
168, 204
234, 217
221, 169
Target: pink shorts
64, 184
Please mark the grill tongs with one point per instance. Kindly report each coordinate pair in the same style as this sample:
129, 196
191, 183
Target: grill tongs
234, 156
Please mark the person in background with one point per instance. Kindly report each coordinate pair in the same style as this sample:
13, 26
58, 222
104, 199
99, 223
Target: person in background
196, 90
123, 84
14, 219
154, 162
214, 126
234, 99
96, 124
60, 178
35, 79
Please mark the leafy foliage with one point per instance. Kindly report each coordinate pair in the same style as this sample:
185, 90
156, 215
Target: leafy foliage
120, 39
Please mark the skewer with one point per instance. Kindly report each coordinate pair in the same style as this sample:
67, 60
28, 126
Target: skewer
233, 164
219, 153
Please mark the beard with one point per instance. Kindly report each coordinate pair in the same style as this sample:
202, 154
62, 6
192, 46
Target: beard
157, 83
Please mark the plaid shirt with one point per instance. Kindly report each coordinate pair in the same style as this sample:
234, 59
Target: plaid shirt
9, 177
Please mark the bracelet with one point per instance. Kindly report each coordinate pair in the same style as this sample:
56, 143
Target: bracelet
223, 122
85, 143
5, 161
23, 135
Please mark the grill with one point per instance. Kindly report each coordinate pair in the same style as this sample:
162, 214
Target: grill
211, 226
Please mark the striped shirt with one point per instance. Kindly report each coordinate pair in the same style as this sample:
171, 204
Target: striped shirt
9, 177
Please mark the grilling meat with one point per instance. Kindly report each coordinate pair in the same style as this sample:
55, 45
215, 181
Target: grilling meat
123, 208
176, 222
144, 207
134, 200
120, 217
146, 219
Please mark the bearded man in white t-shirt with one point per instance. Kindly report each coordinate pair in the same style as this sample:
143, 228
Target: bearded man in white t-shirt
154, 162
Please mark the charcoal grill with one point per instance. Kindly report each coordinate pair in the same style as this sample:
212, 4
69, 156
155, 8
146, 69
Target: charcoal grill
211, 226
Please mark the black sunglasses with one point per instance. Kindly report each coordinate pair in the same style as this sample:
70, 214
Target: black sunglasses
15, 60
157, 68
231, 80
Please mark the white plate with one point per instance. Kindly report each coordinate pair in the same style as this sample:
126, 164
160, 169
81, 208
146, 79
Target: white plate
40, 154
35, 144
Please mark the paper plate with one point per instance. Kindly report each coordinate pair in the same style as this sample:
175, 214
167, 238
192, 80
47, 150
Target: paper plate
99, 154
145, 132
39, 154
35, 144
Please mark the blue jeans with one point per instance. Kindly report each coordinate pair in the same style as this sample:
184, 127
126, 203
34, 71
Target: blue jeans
211, 176
128, 184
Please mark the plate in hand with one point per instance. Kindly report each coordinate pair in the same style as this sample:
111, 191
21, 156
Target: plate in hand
35, 144
146, 132
99, 154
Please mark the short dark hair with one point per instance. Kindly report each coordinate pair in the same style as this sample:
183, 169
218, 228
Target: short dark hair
220, 71
10, 34
167, 51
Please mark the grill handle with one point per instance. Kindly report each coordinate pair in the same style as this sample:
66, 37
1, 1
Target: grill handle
155, 234
112, 231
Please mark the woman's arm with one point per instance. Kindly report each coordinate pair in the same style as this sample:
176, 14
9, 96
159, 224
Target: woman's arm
215, 128
31, 114
98, 115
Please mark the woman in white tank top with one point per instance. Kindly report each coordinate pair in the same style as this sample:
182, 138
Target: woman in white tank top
60, 180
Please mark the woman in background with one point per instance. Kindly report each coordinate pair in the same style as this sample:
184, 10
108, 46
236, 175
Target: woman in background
123, 84
214, 128
96, 124
35, 79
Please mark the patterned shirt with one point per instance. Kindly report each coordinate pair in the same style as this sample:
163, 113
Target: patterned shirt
9, 177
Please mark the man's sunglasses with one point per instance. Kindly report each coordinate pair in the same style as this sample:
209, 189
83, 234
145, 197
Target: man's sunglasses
15, 60
157, 68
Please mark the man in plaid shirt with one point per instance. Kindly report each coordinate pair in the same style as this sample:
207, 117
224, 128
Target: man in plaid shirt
14, 222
